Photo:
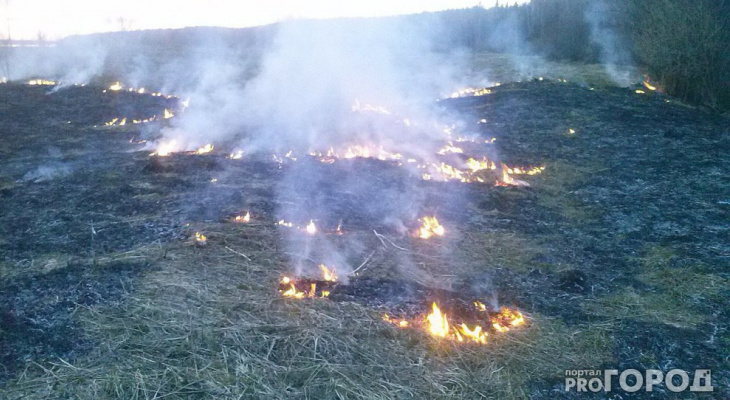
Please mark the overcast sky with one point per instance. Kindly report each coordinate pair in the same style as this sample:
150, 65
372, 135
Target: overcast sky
25, 19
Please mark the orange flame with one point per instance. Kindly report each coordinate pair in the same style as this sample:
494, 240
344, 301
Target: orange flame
41, 82
507, 319
430, 228
243, 218
649, 86
200, 238
401, 323
165, 149
205, 149
328, 274
293, 292
438, 323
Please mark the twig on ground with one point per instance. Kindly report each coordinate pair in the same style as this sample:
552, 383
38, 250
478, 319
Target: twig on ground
239, 253
364, 262
381, 237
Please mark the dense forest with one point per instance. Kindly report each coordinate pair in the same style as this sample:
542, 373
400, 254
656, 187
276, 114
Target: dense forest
683, 45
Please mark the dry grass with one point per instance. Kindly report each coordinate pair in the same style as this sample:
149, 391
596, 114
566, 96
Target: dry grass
673, 297
209, 323
509, 68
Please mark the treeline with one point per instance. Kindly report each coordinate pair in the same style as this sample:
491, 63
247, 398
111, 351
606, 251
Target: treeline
684, 45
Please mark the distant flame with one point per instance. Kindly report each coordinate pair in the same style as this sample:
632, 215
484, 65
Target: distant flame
116, 86
167, 114
649, 86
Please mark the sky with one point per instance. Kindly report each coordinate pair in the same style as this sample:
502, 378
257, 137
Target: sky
54, 19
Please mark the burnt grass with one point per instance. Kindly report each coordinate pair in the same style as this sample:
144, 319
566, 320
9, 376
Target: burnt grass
629, 225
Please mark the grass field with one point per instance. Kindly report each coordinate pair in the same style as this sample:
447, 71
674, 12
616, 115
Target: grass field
617, 255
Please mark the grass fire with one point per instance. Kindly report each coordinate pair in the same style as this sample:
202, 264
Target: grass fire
456, 204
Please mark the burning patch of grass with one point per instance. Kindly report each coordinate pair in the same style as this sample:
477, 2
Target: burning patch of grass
208, 322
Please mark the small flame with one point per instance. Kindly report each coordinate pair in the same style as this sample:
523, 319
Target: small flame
479, 165
470, 91
649, 86
41, 82
507, 319
328, 274
438, 323
200, 238
243, 218
205, 149
167, 114
116, 86
237, 155
292, 291
506, 178
430, 227
401, 323
165, 149
288, 288
450, 148
311, 228
476, 334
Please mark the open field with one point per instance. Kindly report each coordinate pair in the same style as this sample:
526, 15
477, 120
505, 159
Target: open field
617, 254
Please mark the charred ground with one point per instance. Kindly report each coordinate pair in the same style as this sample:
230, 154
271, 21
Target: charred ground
618, 252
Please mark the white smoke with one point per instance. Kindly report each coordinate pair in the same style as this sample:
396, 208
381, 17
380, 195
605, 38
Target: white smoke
614, 53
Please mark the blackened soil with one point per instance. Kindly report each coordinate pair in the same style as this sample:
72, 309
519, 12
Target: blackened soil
642, 175
37, 312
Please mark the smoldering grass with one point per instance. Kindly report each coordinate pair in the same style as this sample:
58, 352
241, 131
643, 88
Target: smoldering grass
209, 323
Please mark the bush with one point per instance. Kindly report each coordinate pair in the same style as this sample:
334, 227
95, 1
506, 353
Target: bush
684, 46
